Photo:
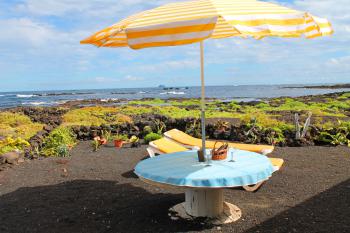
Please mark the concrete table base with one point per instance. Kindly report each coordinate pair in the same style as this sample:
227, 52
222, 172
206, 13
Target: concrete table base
206, 203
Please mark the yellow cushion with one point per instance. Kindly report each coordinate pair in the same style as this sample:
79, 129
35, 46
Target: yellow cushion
167, 146
277, 162
183, 138
186, 139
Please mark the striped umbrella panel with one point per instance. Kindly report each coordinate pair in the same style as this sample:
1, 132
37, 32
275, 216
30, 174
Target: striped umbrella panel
193, 21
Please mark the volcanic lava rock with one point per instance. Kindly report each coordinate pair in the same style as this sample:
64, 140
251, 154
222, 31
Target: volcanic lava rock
11, 158
48, 116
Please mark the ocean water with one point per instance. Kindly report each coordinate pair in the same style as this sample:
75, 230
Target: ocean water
226, 93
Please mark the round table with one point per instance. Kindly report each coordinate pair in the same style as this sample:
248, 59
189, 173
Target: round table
204, 184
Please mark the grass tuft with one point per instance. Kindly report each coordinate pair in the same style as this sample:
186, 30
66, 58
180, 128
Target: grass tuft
17, 125
95, 116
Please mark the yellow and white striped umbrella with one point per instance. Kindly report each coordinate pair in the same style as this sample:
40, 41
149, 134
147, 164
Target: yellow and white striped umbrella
193, 21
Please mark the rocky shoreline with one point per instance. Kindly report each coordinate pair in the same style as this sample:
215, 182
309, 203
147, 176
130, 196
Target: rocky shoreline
220, 128
337, 86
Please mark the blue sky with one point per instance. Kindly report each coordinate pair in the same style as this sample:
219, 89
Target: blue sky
40, 50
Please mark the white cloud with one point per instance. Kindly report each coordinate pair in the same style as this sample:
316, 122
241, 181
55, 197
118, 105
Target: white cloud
336, 9
33, 41
101, 79
28, 40
22, 31
105, 80
171, 64
132, 78
29, 33
341, 64
86, 8
64, 7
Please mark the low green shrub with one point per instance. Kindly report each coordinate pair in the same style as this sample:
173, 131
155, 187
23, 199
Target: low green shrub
11, 144
147, 102
134, 139
172, 111
275, 135
136, 110
328, 108
176, 112
159, 126
151, 137
340, 138
95, 116
106, 134
338, 105
234, 105
344, 96
95, 145
17, 125
121, 137
59, 142
147, 129
344, 125
264, 120
63, 150
194, 128
336, 134
188, 102
263, 106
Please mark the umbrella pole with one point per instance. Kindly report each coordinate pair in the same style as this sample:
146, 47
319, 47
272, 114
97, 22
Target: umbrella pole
203, 102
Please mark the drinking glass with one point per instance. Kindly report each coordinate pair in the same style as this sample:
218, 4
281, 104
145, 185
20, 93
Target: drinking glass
232, 151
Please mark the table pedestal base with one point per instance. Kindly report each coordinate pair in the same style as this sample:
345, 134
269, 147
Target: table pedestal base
207, 203
204, 202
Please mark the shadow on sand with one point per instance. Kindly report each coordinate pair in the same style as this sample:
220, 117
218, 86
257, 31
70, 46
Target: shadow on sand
105, 206
90, 206
130, 175
328, 212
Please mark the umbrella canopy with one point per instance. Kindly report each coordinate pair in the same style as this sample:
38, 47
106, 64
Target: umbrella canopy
194, 21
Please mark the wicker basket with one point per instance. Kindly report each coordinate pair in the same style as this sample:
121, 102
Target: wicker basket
220, 153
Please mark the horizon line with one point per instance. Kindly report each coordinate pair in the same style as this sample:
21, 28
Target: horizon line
182, 86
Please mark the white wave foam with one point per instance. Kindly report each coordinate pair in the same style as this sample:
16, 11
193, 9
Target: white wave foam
142, 92
42, 103
25, 96
34, 103
60, 102
109, 99
173, 93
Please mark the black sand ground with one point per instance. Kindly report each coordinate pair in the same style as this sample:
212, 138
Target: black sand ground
98, 192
